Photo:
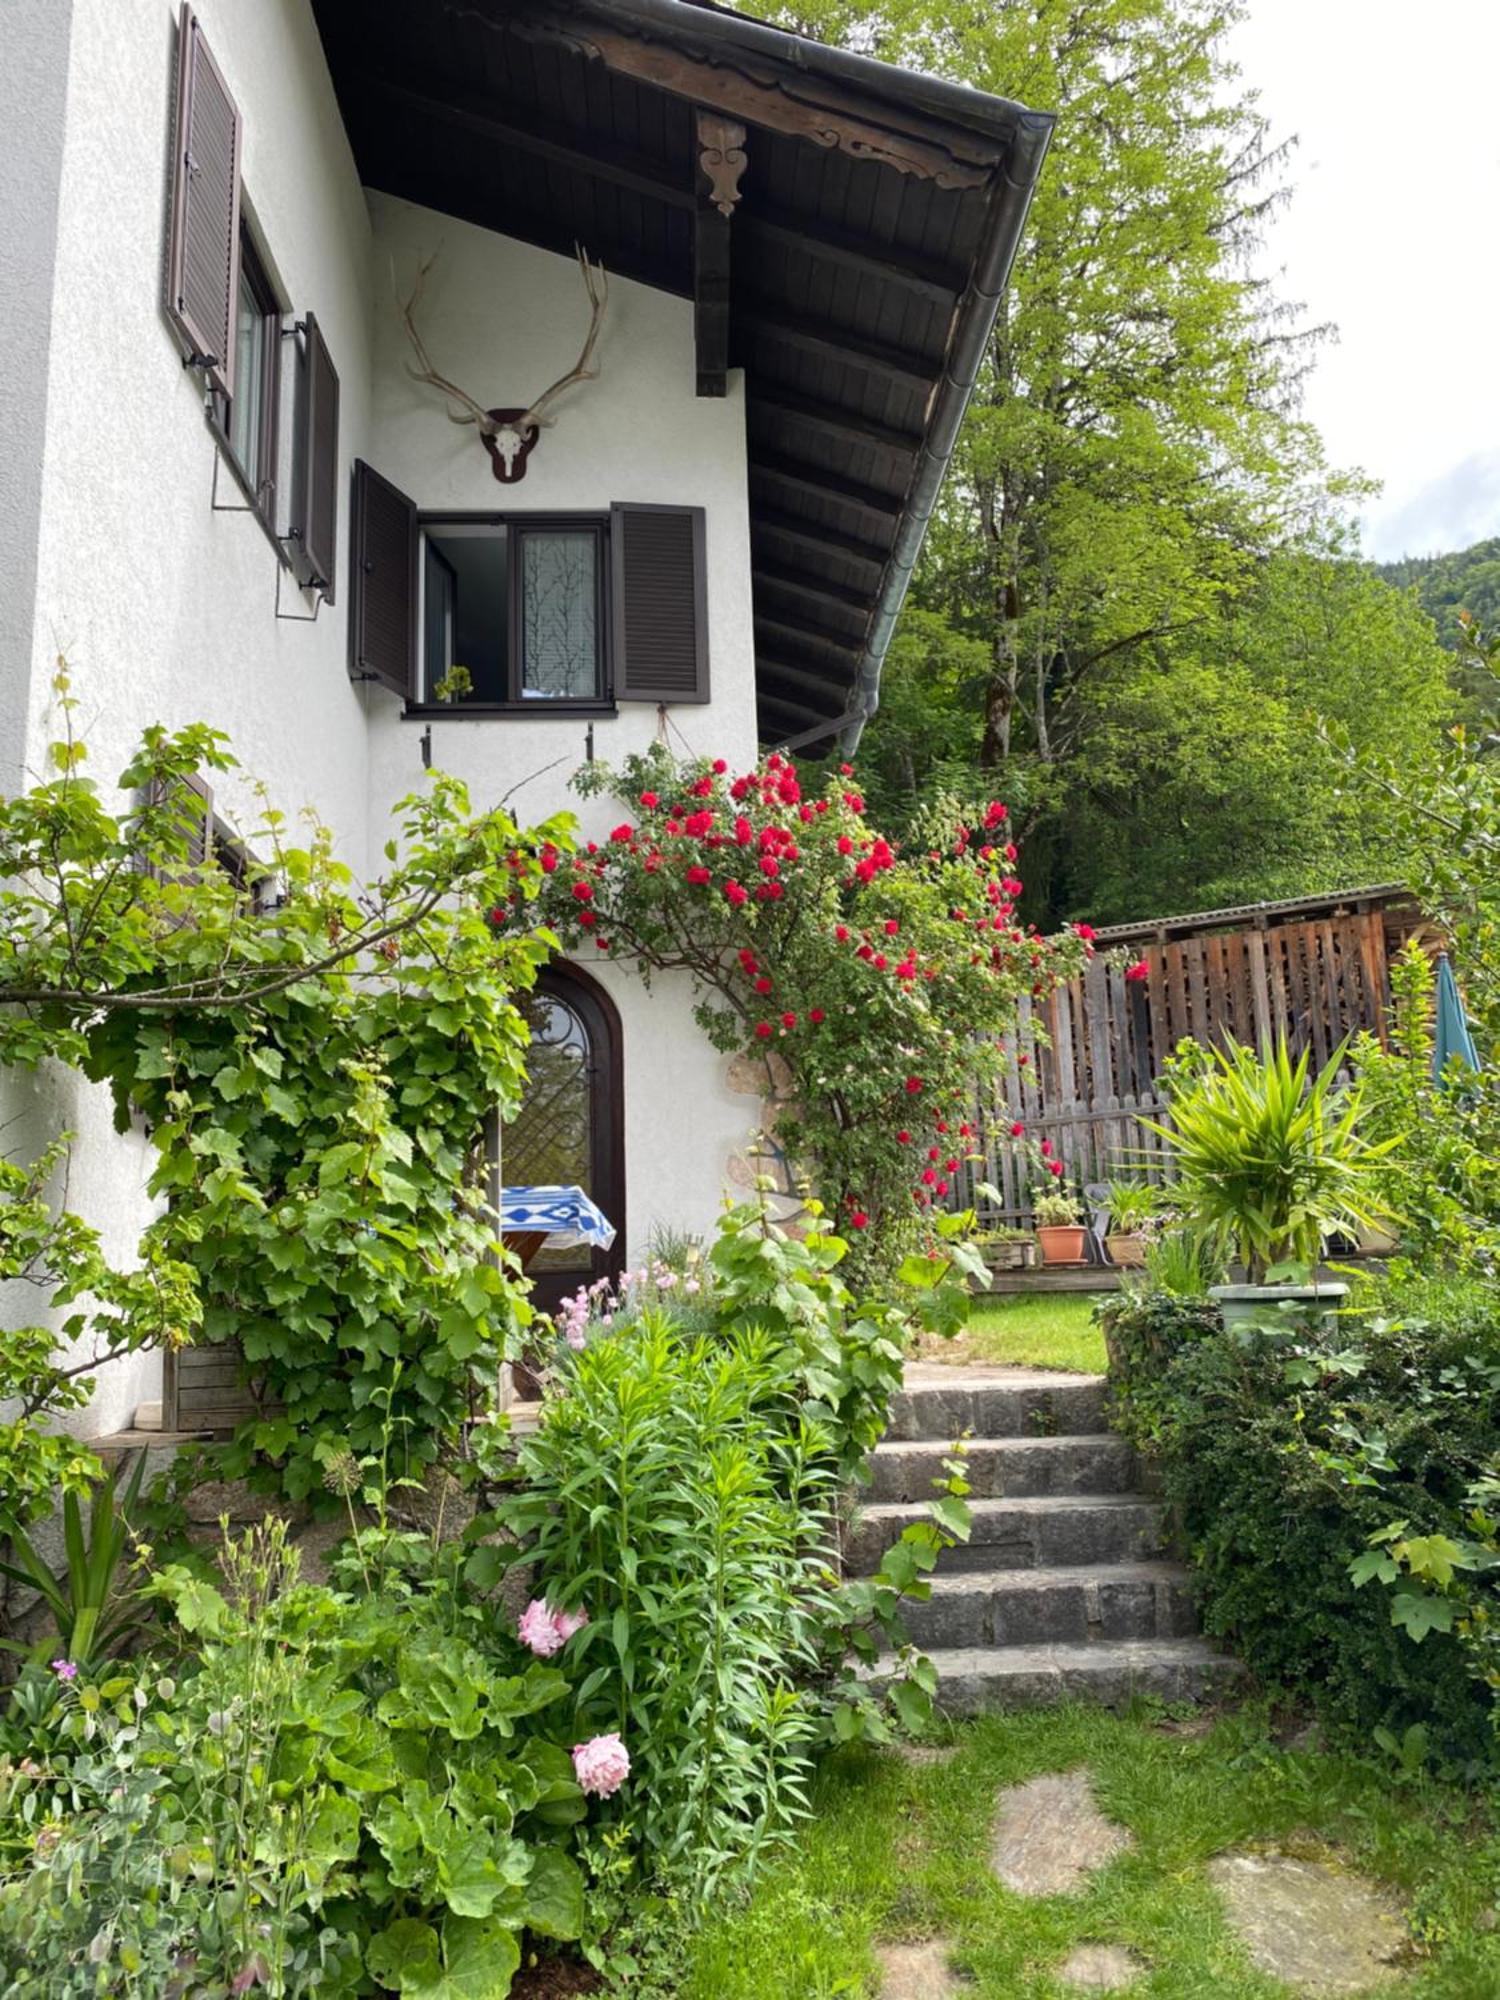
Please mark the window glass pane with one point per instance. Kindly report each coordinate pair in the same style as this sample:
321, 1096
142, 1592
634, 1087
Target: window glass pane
466, 611
249, 382
549, 1143
560, 614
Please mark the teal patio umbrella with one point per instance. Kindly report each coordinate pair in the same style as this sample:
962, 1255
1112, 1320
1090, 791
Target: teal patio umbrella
1451, 1038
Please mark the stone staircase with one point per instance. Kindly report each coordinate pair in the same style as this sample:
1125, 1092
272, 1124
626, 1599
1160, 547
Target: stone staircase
1066, 1585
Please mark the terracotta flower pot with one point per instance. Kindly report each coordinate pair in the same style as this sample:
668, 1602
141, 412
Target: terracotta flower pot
1061, 1243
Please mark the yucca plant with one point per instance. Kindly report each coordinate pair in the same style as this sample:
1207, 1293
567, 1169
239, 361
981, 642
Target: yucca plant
93, 1615
1271, 1160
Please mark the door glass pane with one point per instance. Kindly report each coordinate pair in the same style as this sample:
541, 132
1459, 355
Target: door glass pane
560, 614
249, 382
549, 1143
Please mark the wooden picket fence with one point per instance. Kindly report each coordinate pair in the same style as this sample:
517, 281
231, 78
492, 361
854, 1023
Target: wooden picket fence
1089, 1055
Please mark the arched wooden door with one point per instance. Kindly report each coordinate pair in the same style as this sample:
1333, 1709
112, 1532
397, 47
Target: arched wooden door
570, 1129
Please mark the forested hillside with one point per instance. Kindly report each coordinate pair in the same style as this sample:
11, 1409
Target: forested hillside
1466, 580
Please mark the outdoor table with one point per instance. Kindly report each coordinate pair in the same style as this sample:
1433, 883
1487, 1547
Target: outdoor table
557, 1218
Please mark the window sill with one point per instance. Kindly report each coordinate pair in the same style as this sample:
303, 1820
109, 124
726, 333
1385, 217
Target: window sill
252, 505
488, 711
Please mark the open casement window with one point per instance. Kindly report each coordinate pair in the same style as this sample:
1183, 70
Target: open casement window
312, 533
203, 262
383, 593
249, 422
541, 612
660, 610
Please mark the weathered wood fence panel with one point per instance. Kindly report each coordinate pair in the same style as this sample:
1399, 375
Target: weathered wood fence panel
1090, 1056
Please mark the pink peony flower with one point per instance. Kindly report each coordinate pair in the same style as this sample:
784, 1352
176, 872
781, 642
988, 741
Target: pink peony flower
538, 1628
601, 1765
569, 1622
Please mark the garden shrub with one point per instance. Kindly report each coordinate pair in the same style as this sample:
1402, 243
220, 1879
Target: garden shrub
331, 1792
1144, 1333
887, 979
684, 1489
315, 1060
1284, 1452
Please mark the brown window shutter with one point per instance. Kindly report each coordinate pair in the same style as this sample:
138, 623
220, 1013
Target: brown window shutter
192, 804
203, 266
660, 608
314, 528
383, 584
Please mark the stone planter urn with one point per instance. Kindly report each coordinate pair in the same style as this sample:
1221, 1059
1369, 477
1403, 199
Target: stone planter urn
1128, 1249
1242, 1304
1061, 1243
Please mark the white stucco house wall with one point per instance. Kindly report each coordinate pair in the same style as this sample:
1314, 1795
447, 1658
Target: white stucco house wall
804, 254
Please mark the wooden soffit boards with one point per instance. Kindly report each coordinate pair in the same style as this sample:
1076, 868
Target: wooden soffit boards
777, 97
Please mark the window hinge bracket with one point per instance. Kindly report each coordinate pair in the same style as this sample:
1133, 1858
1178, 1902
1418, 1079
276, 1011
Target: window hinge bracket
296, 617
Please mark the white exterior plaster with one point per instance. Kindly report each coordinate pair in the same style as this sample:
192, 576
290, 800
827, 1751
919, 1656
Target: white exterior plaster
164, 608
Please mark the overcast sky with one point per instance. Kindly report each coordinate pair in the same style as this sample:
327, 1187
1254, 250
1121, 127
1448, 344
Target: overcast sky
1394, 234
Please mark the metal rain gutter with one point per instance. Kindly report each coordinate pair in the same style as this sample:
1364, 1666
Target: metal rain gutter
977, 313
713, 28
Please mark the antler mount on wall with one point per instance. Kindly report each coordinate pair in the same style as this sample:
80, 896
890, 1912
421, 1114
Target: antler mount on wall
508, 434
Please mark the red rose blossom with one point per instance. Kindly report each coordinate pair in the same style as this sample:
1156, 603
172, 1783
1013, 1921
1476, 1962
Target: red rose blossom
1140, 970
763, 1031
913, 1085
649, 800
699, 877
859, 1220
763, 984
584, 891
789, 1020
816, 1016
735, 893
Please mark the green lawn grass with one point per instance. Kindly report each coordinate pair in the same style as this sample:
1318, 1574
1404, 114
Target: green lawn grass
897, 1851
1043, 1330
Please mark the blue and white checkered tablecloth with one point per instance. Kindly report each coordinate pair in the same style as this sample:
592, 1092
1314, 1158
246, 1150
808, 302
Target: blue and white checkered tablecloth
564, 1214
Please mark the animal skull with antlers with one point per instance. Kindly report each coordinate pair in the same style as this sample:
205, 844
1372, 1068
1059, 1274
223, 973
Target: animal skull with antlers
508, 434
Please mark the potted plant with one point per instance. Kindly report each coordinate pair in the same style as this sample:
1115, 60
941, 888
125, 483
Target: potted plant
1272, 1162
1133, 1206
1060, 1233
1007, 1249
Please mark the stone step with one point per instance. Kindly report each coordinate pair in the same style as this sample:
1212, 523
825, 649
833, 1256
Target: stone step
973, 1679
1080, 1605
1038, 1533
997, 1468
1019, 1403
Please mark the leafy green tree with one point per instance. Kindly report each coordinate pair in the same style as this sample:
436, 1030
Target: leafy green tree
1120, 610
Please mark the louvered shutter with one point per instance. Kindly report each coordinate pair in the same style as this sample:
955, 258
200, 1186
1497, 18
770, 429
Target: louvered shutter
383, 594
192, 805
660, 611
313, 532
203, 267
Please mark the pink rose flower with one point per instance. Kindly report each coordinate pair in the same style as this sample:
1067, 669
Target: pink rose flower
601, 1765
538, 1629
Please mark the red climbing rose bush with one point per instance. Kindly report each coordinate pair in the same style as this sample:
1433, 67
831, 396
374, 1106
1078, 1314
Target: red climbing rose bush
886, 979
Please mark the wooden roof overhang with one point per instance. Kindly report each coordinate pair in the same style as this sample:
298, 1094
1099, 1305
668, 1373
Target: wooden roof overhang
845, 230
